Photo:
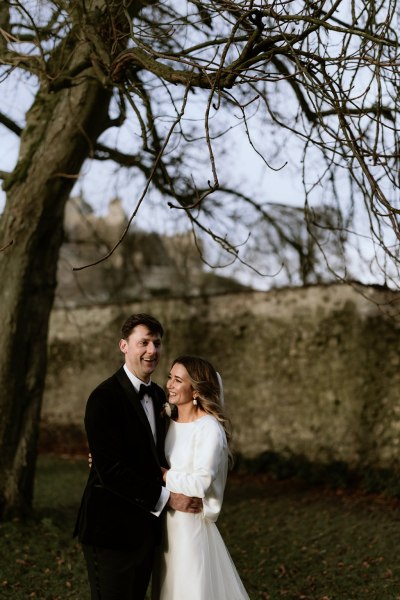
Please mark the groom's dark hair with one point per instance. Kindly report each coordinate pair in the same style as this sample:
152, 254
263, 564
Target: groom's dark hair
148, 321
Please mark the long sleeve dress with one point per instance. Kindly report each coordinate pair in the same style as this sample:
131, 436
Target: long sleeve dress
194, 562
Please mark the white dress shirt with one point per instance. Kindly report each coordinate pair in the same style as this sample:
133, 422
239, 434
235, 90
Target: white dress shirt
147, 401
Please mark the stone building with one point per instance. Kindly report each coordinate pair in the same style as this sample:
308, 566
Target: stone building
172, 265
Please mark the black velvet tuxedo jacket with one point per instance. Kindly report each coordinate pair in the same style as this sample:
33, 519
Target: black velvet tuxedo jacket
125, 480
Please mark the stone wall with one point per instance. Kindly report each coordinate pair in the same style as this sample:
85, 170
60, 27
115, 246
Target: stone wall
309, 371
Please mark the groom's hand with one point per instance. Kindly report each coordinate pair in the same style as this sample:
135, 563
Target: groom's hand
185, 503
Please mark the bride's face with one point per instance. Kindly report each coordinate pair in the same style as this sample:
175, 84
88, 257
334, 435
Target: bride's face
179, 388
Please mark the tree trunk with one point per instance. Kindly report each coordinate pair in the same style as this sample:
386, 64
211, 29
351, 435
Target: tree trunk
59, 133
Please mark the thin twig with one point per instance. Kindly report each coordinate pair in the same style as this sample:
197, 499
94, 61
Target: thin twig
144, 193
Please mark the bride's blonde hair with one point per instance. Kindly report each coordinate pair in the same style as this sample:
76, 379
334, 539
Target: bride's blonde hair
204, 381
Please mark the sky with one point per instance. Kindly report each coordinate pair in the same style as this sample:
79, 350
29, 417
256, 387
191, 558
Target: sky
99, 183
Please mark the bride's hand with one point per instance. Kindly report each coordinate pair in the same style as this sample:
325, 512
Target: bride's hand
90, 460
164, 473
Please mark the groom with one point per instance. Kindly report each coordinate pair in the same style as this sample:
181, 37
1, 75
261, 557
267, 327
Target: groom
119, 521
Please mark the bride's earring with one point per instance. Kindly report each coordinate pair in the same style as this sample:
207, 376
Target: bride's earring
194, 400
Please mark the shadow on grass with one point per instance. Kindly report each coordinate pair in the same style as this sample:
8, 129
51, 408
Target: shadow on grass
336, 474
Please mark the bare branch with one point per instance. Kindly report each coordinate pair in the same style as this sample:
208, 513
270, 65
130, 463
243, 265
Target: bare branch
10, 124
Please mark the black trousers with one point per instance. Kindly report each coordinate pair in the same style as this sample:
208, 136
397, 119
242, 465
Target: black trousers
117, 574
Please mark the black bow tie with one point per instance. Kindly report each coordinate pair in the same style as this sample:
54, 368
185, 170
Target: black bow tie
146, 389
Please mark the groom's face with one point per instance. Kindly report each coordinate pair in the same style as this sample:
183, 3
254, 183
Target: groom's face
142, 351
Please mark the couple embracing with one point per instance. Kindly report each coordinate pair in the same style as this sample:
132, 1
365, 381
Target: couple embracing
156, 484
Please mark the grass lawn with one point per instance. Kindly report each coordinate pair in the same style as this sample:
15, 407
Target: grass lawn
288, 540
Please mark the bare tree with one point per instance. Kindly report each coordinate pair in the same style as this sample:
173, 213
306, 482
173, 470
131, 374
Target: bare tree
178, 78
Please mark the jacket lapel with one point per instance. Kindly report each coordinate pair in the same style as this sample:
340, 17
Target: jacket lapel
162, 422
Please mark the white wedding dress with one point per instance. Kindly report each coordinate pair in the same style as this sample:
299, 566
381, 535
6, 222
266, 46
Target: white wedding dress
194, 563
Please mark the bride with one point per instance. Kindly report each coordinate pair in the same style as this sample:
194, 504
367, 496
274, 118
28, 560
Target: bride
193, 561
